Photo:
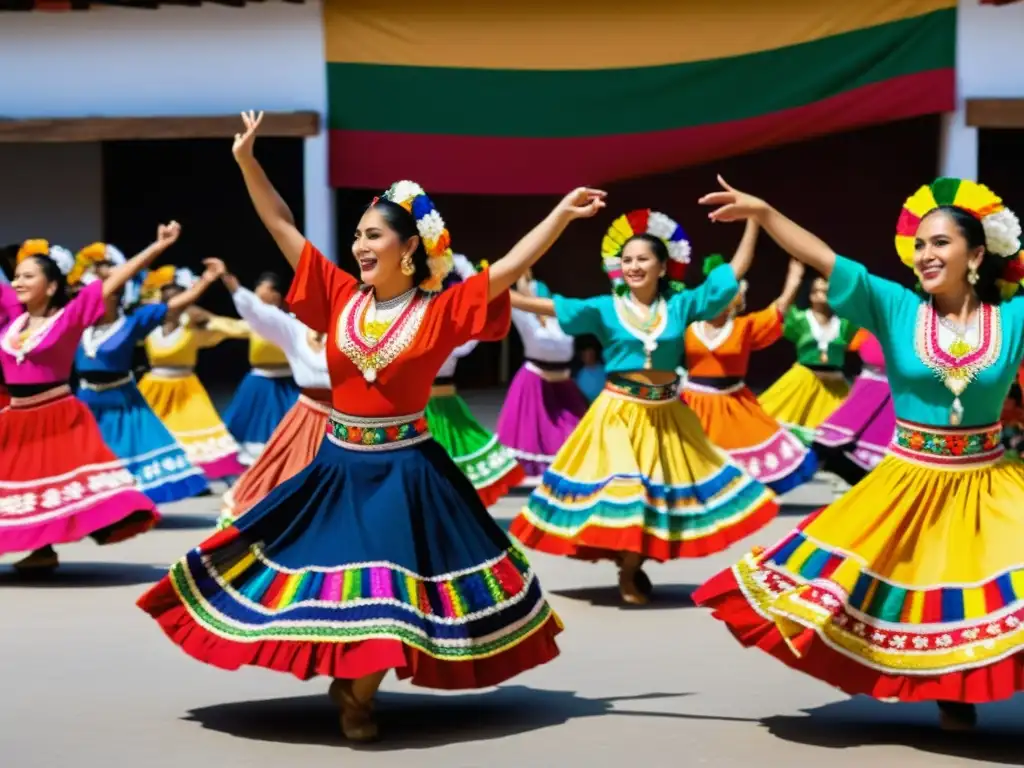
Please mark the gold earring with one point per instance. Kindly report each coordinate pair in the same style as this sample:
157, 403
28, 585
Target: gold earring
972, 275
408, 268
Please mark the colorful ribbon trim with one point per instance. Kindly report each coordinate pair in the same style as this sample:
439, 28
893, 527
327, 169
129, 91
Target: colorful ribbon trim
377, 434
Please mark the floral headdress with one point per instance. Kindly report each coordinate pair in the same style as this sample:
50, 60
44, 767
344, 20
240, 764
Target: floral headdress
436, 240
1001, 225
87, 259
61, 256
644, 221
166, 275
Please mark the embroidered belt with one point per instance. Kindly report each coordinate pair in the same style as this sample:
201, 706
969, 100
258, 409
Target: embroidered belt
714, 385
172, 372
360, 433
95, 386
548, 374
46, 397
619, 386
272, 373
948, 447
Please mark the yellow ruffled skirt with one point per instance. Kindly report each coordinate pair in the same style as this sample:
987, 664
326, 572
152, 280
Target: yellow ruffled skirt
802, 399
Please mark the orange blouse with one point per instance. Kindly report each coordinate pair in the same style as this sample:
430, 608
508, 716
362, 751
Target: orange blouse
435, 324
728, 352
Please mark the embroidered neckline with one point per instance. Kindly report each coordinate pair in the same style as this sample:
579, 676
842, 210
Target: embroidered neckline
15, 329
957, 372
649, 338
369, 356
92, 339
700, 330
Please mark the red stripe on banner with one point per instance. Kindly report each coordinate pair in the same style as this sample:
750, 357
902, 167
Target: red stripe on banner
499, 165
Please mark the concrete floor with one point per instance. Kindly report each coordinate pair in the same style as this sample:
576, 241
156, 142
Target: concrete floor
89, 680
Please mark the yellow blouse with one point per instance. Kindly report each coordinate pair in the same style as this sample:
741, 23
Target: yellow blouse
261, 352
180, 347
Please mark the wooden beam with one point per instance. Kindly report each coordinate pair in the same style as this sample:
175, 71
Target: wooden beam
77, 129
995, 113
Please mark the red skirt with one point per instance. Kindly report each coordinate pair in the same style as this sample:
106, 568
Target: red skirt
61, 482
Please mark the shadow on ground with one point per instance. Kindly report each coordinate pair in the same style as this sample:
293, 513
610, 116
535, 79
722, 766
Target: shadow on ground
666, 596
89, 575
863, 722
419, 721
175, 522
798, 510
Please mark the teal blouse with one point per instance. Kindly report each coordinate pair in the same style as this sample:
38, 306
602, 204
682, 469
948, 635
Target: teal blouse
903, 323
622, 351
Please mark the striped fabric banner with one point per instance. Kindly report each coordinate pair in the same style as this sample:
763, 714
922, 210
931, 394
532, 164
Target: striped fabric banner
533, 97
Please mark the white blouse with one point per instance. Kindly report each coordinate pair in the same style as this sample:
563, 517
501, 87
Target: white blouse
448, 369
309, 367
545, 342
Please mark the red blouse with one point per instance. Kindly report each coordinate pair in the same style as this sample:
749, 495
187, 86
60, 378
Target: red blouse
434, 325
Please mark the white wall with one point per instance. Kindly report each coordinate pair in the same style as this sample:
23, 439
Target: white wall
989, 64
172, 61
53, 191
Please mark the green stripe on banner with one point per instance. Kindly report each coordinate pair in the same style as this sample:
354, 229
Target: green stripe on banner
524, 103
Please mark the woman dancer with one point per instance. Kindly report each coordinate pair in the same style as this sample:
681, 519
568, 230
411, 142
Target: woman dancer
718, 355
639, 479
268, 390
171, 387
815, 386
854, 439
908, 587
106, 384
475, 451
379, 555
59, 482
295, 442
543, 405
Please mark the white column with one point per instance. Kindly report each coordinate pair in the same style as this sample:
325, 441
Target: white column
958, 145
319, 226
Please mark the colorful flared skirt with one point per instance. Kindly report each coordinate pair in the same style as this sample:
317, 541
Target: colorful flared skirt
486, 462
802, 399
136, 436
639, 475
260, 402
291, 449
854, 439
59, 482
735, 422
909, 587
182, 404
541, 410
378, 555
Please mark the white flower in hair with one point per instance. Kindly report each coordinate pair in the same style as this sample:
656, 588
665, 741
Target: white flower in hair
660, 225
431, 226
114, 255
463, 266
63, 257
1002, 232
184, 278
679, 251
404, 190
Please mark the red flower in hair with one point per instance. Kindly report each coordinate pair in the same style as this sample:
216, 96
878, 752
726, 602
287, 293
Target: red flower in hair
1013, 270
675, 270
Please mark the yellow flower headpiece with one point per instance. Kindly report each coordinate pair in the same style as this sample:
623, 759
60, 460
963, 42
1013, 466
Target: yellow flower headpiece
38, 247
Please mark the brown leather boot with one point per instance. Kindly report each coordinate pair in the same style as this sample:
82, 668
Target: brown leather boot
356, 717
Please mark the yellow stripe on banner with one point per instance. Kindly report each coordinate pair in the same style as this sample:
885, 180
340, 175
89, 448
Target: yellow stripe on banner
592, 34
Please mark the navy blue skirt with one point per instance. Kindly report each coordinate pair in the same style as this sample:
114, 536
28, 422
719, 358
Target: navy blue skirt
259, 405
366, 560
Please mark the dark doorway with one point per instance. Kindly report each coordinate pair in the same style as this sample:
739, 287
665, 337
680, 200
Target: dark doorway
196, 182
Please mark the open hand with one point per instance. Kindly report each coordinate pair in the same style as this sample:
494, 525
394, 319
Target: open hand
168, 234
582, 203
242, 148
214, 271
733, 205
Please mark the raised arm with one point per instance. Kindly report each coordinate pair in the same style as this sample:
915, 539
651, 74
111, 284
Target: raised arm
166, 236
532, 304
734, 205
214, 269
794, 276
744, 256
579, 204
270, 206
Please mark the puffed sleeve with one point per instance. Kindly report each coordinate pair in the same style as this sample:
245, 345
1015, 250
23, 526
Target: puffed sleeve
319, 285
709, 299
578, 317
147, 317
793, 325
272, 323
10, 307
866, 300
86, 308
468, 313
764, 327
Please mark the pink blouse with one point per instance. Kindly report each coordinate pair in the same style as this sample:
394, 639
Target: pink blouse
47, 355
